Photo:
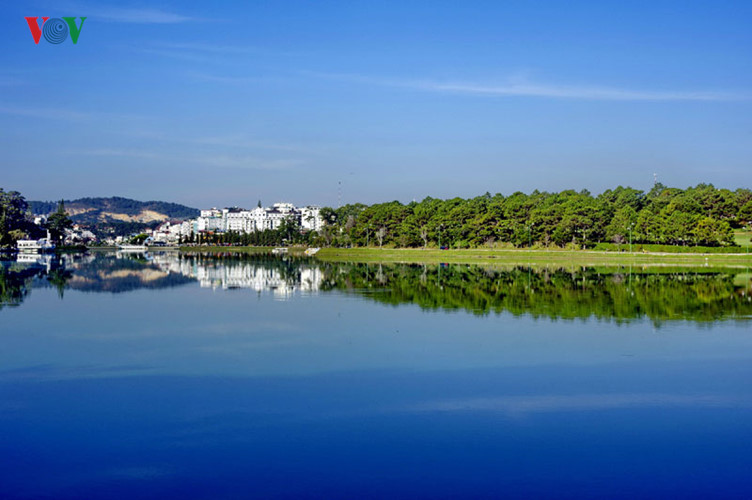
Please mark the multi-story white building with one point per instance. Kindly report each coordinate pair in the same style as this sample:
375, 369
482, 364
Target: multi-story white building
210, 220
240, 220
285, 208
234, 219
310, 218
172, 232
256, 220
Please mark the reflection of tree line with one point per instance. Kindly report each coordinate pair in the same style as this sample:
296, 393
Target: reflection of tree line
549, 293
15, 285
103, 273
16, 281
679, 294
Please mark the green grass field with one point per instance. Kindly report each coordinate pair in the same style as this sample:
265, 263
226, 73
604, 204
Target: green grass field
532, 257
742, 238
510, 257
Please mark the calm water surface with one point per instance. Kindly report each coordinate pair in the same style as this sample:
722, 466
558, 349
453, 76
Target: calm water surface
153, 376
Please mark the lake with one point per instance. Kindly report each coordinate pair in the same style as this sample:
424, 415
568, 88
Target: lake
217, 376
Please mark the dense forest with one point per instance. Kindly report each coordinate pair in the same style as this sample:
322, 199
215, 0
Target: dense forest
701, 215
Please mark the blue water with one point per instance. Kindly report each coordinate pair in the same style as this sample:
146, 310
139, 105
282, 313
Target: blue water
192, 391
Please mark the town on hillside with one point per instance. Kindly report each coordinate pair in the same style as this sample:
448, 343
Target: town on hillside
210, 221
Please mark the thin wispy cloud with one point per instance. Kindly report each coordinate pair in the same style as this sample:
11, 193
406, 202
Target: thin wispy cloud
212, 48
46, 113
518, 405
232, 80
242, 162
178, 54
124, 153
128, 15
55, 372
65, 114
208, 52
573, 92
517, 88
234, 141
239, 141
142, 16
242, 143
248, 162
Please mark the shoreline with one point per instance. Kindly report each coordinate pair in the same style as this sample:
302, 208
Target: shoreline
506, 256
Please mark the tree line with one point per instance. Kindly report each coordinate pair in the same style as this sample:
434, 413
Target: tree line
16, 221
15, 218
700, 215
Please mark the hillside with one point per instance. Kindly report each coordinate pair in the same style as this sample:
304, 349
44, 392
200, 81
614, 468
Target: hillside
116, 209
117, 216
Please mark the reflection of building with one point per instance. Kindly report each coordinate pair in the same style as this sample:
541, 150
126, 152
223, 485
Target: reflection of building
46, 261
252, 275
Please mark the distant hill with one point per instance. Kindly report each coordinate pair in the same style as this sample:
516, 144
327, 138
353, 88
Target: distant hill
116, 209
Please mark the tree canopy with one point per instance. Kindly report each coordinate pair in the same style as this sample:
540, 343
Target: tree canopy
58, 222
700, 215
15, 220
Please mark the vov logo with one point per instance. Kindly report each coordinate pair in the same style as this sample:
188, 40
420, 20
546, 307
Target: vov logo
55, 30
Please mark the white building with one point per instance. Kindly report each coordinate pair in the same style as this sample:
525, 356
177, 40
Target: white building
310, 218
285, 208
172, 232
210, 220
240, 220
274, 217
234, 219
77, 235
212, 212
256, 220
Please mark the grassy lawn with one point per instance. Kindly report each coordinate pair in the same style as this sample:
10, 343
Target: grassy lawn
531, 257
564, 258
742, 238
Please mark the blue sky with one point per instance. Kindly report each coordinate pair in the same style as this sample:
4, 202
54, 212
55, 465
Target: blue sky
226, 103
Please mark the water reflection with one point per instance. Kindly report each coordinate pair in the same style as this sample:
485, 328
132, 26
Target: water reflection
620, 294
168, 375
281, 276
18, 277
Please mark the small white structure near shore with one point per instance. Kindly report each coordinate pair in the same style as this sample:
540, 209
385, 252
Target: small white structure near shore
42, 245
